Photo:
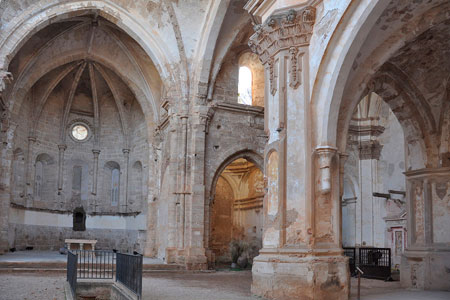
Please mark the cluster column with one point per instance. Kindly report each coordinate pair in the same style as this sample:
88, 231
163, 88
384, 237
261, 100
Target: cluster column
301, 256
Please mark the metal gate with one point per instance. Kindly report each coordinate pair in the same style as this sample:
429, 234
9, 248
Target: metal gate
374, 262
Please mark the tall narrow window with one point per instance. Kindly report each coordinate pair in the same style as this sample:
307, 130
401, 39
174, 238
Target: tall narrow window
76, 179
115, 179
38, 180
245, 86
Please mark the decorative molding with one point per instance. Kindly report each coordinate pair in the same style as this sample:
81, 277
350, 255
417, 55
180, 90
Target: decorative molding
248, 203
365, 130
239, 108
296, 67
283, 32
428, 172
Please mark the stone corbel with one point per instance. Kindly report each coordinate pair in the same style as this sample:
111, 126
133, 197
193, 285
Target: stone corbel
325, 157
5, 78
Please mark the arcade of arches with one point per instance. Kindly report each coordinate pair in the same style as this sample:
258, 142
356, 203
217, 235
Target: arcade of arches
298, 127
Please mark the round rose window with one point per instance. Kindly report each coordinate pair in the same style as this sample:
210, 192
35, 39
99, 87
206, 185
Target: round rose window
80, 132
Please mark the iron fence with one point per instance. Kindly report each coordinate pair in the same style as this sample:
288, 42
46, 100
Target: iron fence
129, 272
375, 262
72, 272
98, 264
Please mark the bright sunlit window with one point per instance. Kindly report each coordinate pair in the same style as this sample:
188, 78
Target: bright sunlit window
245, 86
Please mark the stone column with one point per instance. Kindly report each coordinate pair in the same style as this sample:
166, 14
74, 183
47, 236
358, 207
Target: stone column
172, 186
126, 154
426, 261
195, 255
29, 184
301, 256
61, 148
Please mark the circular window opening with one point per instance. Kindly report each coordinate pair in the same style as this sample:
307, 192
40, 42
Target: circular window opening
80, 132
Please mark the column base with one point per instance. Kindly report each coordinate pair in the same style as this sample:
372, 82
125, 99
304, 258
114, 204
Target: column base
290, 276
171, 255
425, 270
195, 259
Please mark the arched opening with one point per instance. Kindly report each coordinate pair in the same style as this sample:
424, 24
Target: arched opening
373, 202
410, 74
236, 212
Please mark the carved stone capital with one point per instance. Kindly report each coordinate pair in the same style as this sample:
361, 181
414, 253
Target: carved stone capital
62, 147
282, 32
370, 149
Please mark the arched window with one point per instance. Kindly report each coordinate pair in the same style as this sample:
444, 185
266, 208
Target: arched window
38, 180
111, 182
251, 80
43, 178
137, 181
245, 86
115, 180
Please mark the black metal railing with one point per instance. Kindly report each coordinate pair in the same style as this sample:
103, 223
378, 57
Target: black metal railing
351, 253
72, 272
98, 264
375, 262
129, 272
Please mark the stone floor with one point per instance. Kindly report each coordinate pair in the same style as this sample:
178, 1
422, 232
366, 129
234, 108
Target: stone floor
222, 285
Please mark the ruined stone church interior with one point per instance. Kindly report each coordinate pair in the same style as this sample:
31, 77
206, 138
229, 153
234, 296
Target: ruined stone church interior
245, 148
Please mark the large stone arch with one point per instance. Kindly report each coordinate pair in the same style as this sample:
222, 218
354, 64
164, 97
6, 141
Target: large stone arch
226, 158
36, 17
343, 75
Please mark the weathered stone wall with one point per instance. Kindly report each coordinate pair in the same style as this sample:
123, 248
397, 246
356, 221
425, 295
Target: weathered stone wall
52, 238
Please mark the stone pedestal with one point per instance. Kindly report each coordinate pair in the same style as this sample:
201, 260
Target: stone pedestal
300, 275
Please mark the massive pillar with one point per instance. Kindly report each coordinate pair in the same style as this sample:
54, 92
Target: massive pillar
6, 156
194, 253
426, 260
301, 256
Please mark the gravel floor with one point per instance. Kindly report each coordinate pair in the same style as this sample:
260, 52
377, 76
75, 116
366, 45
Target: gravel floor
223, 285
32, 287
156, 286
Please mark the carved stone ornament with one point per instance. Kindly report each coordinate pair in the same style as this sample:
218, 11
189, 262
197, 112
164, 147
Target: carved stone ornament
272, 76
5, 77
282, 32
296, 67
